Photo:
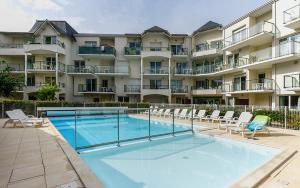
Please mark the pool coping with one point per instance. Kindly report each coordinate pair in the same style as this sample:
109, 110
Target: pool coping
85, 174
252, 179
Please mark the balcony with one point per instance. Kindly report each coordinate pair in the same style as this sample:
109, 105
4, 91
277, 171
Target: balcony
208, 50
183, 72
33, 87
14, 68
175, 90
43, 66
42, 48
291, 17
84, 70
164, 52
132, 89
256, 35
162, 71
291, 82
98, 89
132, 53
287, 51
11, 49
180, 52
111, 70
106, 52
250, 86
156, 90
200, 91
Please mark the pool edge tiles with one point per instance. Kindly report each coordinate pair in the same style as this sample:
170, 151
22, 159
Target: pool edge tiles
128, 174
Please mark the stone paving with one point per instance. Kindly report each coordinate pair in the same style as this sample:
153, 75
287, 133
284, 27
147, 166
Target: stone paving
38, 157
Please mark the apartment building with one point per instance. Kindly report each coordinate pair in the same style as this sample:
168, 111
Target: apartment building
253, 60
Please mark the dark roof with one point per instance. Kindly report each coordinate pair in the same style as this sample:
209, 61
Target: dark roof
60, 26
208, 26
155, 29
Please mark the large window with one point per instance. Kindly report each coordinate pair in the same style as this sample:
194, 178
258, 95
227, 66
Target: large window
31, 80
284, 101
50, 40
155, 84
91, 84
90, 43
202, 84
50, 80
176, 83
135, 45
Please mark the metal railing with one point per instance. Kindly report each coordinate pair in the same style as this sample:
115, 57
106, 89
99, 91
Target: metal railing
155, 87
18, 67
291, 14
183, 71
161, 70
288, 48
207, 46
132, 88
40, 84
182, 89
80, 70
156, 49
180, 51
132, 51
89, 88
249, 85
57, 42
206, 88
45, 66
261, 27
292, 81
111, 69
100, 50
6, 45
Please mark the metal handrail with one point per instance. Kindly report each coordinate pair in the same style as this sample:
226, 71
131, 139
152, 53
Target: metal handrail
292, 15
6, 45
155, 87
132, 88
95, 88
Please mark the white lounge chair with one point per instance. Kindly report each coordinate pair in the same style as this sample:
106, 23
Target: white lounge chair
160, 112
16, 118
182, 114
200, 115
167, 113
147, 111
22, 115
243, 119
154, 111
191, 115
214, 115
227, 117
176, 112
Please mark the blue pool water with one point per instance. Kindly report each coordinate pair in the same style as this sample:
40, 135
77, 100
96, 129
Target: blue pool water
191, 160
93, 130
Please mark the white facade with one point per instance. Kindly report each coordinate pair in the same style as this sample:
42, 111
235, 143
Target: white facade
252, 61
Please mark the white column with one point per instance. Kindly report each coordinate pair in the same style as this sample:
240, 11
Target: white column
169, 73
290, 98
56, 68
25, 69
142, 81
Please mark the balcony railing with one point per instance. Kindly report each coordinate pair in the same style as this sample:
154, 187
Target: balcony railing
80, 70
97, 50
183, 71
2, 45
40, 84
155, 71
180, 51
291, 14
132, 51
158, 87
288, 48
292, 81
57, 42
176, 89
16, 68
261, 27
132, 88
249, 85
207, 46
156, 49
111, 69
95, 89
45, 66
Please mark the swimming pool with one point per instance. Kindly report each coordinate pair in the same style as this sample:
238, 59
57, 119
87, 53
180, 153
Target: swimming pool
190, 160
91, 130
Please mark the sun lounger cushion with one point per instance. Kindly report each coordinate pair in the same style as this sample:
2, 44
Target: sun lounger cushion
258, 123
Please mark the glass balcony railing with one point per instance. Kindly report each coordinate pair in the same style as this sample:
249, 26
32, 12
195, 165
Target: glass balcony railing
13, 67
156, 49
292, 81
291, 14
249, 85
178, 89
37, 42
90, 88
247, 33
97, 50
183, 71
158, 87
132, 88
111, 69
179, 51
132, 51
81, 70
2, 45
45, 66
154, 71
207, 46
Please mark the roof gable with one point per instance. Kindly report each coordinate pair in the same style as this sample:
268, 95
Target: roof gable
156, 29
208, 26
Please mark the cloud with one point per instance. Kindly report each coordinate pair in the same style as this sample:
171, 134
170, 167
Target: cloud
14, 18
41, 5
74, 21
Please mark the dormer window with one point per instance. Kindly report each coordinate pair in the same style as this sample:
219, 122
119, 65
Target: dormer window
90, 43
50, 40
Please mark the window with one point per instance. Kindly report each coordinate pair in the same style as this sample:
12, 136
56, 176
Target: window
261, 78
50, 40
177, 49
176, 83
134, 44
50, 63
96, 100
155, 67
155, 46
202, 47
90, 43
104, 83
239, 83
79, 64
50, 80
284, 101
216, 44
31, 80
123, 99
181, 68
239, 34
91, 84
216, 84
155, 84
203, 84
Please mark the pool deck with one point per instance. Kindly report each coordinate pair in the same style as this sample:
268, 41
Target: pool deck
40, 157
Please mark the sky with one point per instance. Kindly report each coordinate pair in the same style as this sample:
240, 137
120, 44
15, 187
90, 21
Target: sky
123, 16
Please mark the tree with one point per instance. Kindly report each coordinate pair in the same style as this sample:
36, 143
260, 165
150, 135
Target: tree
9, 82
47, 93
